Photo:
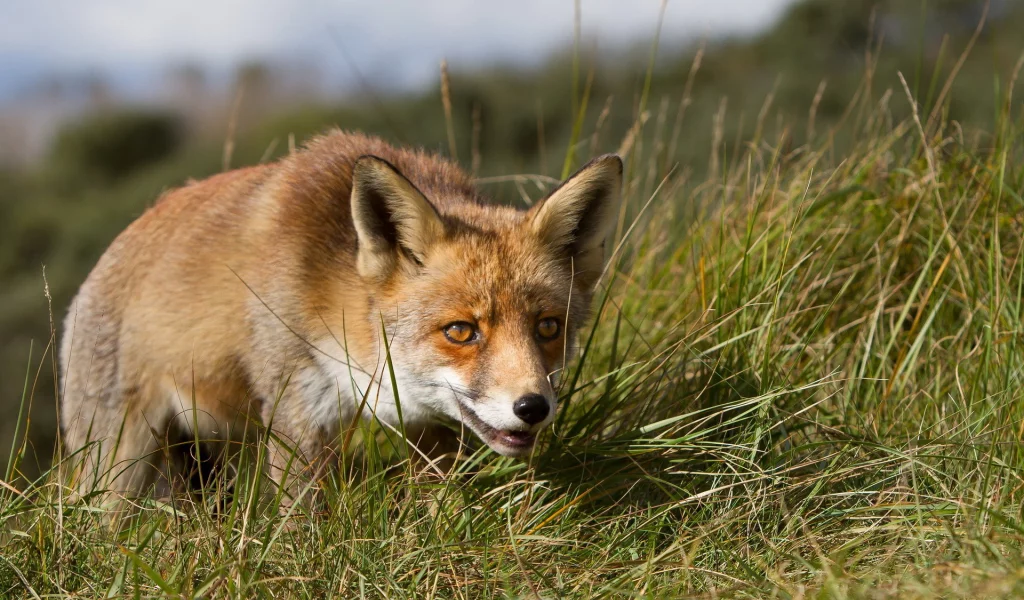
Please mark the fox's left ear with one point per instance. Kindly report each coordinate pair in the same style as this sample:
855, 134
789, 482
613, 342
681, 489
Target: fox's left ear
579, 214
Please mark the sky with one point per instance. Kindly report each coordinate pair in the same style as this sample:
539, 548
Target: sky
398, 40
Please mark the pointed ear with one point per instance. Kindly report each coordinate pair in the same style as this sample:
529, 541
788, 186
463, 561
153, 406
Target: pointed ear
578, 215
393, 220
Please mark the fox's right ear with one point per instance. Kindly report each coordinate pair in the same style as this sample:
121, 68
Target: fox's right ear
393, 219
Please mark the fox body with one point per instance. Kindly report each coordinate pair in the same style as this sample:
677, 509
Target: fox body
352, 279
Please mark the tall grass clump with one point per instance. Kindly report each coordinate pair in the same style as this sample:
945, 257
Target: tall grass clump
804, 380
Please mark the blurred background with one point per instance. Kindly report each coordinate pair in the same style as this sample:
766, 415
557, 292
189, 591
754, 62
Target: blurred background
104, 104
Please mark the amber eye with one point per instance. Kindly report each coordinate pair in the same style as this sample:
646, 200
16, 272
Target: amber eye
548, 329
460, 332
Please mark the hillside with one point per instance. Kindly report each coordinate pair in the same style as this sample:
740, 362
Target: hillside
804, 380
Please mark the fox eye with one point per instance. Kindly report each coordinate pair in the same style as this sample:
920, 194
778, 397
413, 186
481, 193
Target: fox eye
548, 329
460, 332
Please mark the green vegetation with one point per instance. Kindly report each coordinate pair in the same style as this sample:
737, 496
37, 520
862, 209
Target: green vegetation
805, 379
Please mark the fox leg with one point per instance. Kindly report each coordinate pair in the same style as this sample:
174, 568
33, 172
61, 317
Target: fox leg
433, 448
296, 465
86, 440
117, 448
136, 455
300, 443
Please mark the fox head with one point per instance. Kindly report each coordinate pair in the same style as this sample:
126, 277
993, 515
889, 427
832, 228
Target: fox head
481, 304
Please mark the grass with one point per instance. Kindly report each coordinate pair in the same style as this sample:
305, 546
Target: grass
804, 381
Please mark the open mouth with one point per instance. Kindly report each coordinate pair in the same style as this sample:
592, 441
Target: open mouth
502, 441
520, 440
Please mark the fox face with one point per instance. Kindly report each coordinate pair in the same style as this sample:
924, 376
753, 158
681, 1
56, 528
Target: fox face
481, 304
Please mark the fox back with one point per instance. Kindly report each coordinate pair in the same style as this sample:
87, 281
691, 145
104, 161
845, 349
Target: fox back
350, 280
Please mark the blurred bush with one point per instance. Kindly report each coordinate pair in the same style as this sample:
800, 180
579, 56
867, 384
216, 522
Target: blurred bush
112, 144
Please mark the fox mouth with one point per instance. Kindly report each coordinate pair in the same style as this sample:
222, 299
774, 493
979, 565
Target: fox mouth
506, 442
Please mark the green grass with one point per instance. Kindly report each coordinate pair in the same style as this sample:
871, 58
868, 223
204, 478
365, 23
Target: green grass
804, 382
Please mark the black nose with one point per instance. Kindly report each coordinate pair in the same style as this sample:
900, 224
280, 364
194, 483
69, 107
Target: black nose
532, 408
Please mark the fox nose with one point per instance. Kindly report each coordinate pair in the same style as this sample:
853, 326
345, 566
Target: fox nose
532, 408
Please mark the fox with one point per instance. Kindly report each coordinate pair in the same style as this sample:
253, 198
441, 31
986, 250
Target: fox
349, 280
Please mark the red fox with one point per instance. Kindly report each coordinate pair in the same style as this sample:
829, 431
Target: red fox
351, 279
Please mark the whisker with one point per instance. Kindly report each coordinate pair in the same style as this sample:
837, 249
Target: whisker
458, 390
